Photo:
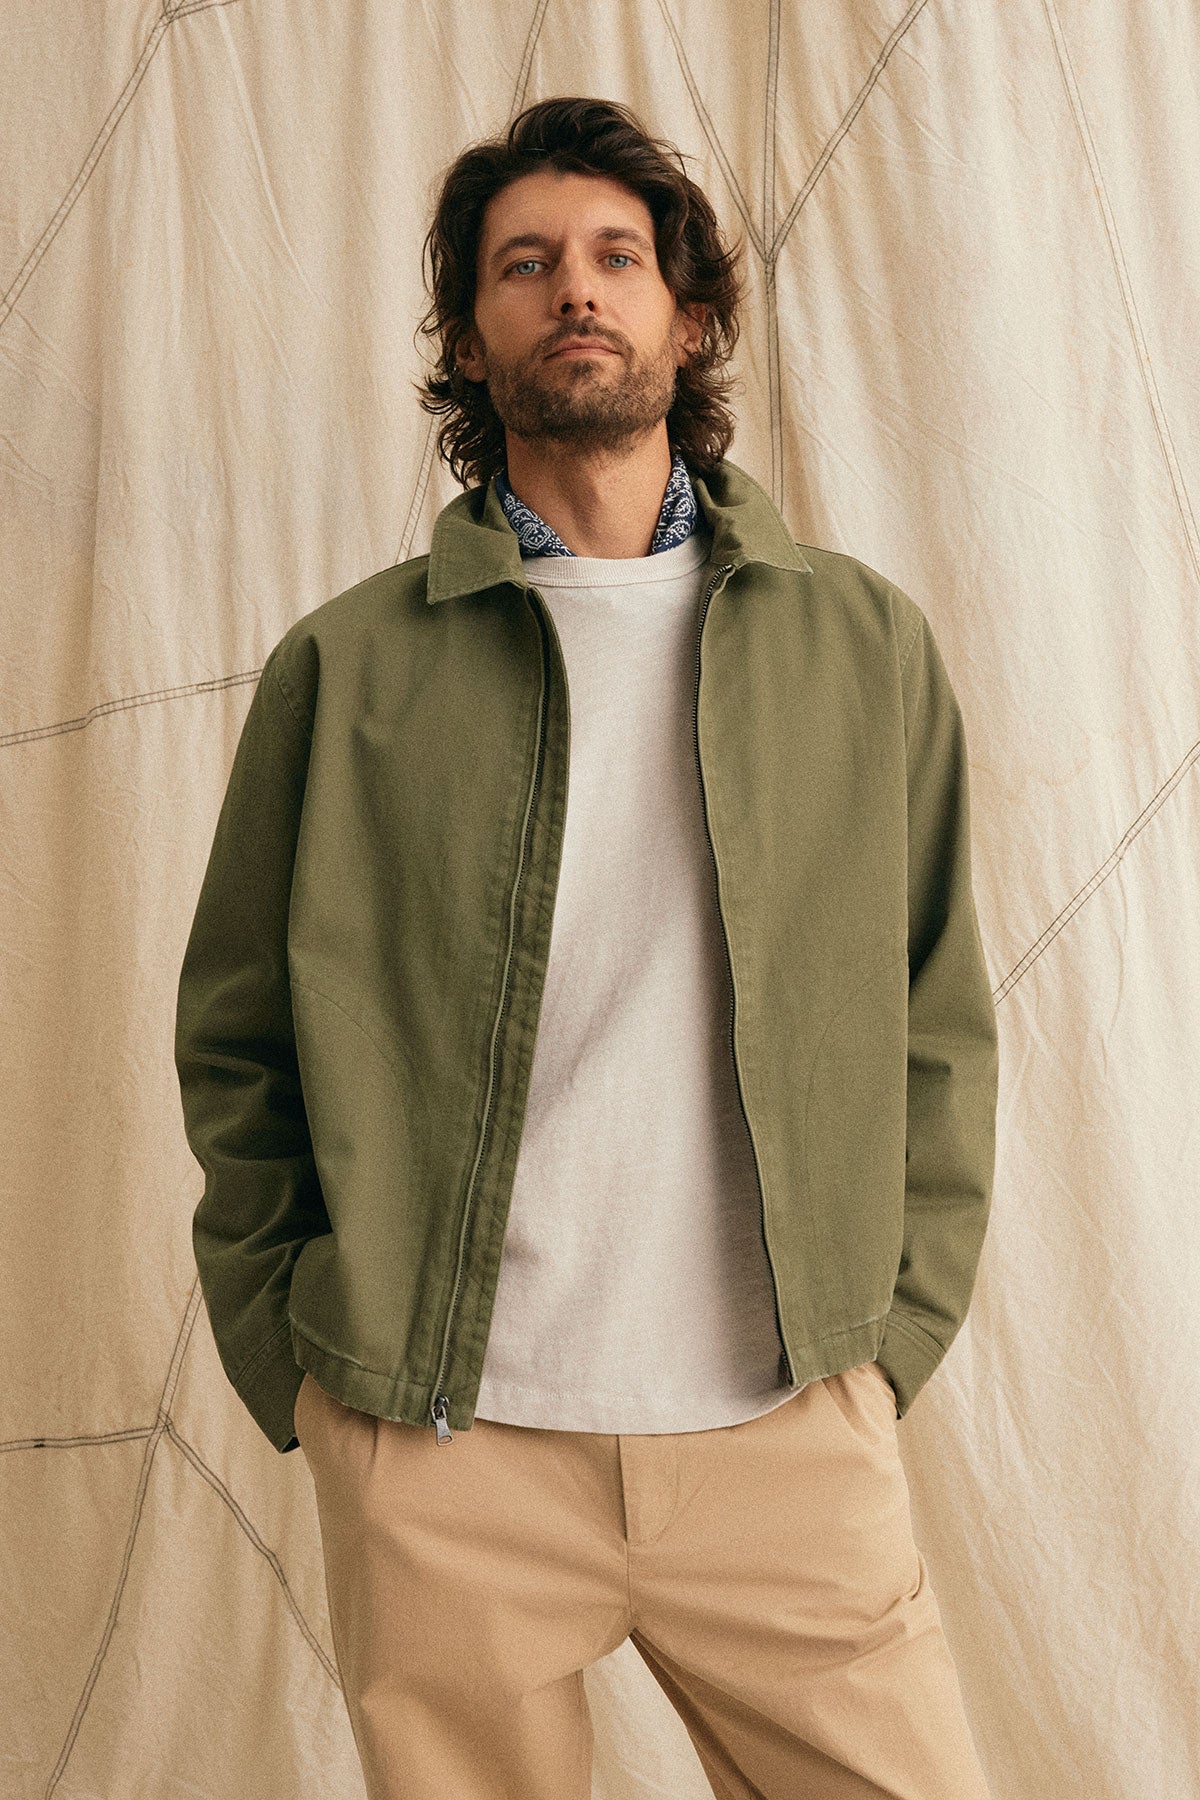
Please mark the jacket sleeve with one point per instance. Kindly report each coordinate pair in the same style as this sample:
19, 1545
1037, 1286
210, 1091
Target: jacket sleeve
235, 1054
953, 1061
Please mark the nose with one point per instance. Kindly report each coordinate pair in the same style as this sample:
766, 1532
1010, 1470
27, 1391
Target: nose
574, 286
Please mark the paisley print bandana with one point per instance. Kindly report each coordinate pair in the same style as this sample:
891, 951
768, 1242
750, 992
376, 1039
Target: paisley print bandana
677, 518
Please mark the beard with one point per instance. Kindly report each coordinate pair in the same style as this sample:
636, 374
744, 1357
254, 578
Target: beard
603, 405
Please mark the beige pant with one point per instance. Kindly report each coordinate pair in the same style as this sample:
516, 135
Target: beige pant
766, 1572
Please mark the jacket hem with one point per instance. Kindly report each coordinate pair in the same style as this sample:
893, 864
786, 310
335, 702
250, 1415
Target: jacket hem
904, 1350
366, 1390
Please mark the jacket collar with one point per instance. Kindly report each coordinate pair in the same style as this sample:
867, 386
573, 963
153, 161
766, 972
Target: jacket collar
474, 546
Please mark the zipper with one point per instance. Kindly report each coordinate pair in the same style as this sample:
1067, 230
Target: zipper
727, 569
441, 1401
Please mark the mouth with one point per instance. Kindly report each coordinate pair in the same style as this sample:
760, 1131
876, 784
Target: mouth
582, 350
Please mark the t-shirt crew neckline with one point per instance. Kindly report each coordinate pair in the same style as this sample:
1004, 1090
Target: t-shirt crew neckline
619, 571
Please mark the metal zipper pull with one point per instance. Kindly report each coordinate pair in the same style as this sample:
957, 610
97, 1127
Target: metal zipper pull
444, 1434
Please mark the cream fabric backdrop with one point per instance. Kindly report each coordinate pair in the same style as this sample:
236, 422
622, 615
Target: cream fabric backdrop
970, 359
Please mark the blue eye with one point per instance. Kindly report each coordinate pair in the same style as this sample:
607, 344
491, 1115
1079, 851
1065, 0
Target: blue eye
531, 261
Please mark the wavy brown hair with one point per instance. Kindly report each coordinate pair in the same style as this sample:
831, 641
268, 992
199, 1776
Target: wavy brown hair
596, 137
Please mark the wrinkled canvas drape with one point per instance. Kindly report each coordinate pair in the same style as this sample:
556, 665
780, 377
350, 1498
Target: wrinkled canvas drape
969, 358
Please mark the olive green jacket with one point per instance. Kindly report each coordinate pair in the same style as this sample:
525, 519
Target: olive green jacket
359, 995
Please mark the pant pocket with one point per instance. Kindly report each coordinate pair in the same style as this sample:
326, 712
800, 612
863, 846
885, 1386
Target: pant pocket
864, 1399
320, 1419
879, 1375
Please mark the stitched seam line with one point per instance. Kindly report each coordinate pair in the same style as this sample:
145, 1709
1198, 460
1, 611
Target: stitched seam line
907, 1324
273, 666
261, 1354
912, 638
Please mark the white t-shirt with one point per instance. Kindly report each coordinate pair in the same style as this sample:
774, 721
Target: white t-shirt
634, 1291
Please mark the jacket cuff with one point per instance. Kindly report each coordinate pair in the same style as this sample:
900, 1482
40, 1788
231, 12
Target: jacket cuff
908, 1356
268, 1389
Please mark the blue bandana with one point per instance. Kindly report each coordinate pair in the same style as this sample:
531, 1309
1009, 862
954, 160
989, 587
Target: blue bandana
677, 519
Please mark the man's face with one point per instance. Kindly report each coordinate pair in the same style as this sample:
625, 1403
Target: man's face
588, 269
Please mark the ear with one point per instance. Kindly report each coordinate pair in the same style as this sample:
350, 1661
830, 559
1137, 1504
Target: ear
469, 358
690, 327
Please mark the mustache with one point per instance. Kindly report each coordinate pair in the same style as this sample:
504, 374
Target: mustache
565, 337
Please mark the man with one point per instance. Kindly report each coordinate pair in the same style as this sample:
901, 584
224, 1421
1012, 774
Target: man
592, 1183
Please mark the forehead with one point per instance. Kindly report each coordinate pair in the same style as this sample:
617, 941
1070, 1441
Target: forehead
553, 203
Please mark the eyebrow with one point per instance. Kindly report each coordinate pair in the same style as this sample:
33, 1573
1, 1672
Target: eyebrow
535, 240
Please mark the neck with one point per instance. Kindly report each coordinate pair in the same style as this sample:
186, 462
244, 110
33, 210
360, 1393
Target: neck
600, 503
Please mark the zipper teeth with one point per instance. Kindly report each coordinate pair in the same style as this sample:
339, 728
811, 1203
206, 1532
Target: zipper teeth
727, 569
441, 1400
